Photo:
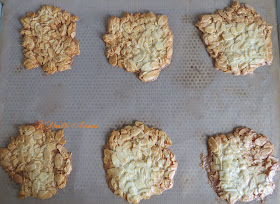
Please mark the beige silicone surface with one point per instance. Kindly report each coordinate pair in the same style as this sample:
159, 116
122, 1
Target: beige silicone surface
189, 101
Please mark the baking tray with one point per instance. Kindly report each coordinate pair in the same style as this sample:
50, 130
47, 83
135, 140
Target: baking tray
189, 101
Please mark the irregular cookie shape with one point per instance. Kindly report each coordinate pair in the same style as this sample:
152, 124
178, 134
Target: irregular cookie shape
37, 160
237, 38
140, 43
49, 39
138, 163
240, 165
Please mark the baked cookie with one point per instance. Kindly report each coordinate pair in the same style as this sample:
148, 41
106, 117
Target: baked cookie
237, 38
49, 39
240, 165
140, 43
37, 160
138, 163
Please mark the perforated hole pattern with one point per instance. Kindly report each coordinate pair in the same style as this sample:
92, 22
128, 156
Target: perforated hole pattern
189, 101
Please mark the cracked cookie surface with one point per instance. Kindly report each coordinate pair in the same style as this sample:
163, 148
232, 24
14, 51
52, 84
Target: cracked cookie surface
237, 38
240, 165
49, 39
138, 163
140, 43
37, 160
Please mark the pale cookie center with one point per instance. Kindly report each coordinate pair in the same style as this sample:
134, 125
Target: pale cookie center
244, 44
149, 47
139, 170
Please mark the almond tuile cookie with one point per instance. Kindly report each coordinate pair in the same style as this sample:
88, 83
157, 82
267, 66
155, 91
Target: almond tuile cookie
240, 165
37, 160
237, 38
49, 39
138, 163
140, 43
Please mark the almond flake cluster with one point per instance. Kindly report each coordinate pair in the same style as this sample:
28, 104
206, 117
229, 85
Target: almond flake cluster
49, 39
240, 165
237, 38
138, 162
37, 160
140, 43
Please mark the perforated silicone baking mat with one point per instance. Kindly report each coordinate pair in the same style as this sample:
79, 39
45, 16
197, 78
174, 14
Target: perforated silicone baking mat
190, 100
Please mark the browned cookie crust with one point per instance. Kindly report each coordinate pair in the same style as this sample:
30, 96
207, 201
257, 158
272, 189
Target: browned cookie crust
138, 163
140, 43
37, 160
237, 38
240, 165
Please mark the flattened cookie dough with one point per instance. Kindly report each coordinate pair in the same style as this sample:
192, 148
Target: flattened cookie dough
237, 38
240, 165
138, 163
140, 43
37, 160
49, 39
